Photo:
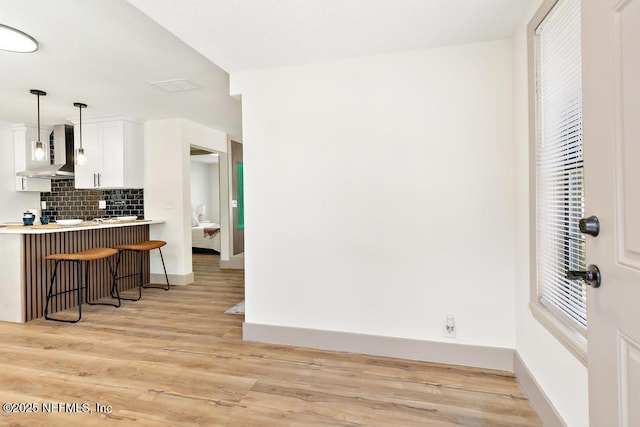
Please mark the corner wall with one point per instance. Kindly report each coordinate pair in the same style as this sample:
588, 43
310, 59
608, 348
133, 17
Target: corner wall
167, 189
379, 195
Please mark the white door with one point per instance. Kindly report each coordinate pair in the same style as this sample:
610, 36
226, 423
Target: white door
611, 124
86, 173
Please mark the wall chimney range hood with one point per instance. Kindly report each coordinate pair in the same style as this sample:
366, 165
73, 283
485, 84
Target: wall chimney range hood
63, 164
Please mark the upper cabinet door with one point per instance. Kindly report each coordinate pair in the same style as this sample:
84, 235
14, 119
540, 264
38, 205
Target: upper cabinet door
23, 138
114, 155
86, 173
113, 160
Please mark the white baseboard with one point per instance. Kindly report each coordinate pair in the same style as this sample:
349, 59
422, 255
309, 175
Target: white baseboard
500, 358
174, 279
236, 262
537, 397
428, 351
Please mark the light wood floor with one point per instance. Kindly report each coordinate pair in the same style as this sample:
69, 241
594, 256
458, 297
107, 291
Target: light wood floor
174, 359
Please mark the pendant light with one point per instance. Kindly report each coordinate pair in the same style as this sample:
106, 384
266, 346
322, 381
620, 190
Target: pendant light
80, 158
38, 149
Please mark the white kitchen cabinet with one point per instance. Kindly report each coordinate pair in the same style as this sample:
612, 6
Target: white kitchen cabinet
23, 138
113, 154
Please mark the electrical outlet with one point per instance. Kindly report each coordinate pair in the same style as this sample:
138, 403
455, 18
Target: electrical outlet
43, 205
449, 327
102, 204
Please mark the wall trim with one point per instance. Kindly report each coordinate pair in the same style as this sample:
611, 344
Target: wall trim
428, 351
174, 279
537, 397
236, 262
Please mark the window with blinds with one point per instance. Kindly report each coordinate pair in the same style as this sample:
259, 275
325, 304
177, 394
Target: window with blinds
559, 167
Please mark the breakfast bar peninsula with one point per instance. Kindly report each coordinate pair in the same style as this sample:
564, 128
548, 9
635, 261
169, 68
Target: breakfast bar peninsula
25, 274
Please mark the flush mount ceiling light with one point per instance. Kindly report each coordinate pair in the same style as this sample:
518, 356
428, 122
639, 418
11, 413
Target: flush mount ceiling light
13, 40
80, 158
38, 148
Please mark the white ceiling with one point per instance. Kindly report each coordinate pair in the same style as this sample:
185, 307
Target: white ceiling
105, 52
241, 35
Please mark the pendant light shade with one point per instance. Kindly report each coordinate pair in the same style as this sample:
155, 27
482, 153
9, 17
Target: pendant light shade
39, 150
80, 157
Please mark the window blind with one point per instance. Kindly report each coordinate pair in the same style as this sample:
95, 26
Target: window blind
559, 167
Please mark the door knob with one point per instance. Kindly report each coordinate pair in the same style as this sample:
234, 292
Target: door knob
591, 277
590, 226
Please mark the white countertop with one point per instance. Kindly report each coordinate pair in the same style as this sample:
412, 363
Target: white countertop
55, 228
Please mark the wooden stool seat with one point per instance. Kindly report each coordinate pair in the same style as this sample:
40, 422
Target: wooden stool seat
88, 255
147, 245
79, 258
138, 249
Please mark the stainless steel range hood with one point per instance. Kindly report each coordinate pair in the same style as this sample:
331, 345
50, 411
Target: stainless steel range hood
63, 160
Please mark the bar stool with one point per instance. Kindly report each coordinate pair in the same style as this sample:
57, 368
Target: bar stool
138, 248
79, 258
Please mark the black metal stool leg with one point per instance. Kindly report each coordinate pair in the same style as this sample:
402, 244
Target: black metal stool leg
115, 275
139, 274
165, 273
50, 294
79, 264
111, 289
165, 270
114, 283
86, 281
53, 278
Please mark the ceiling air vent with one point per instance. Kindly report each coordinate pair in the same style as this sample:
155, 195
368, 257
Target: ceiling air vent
175, 85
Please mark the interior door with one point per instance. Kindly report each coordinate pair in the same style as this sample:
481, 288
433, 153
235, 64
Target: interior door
611, 123
237, 196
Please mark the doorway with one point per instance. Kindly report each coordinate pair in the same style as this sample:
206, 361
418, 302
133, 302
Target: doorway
237, 198
205, 201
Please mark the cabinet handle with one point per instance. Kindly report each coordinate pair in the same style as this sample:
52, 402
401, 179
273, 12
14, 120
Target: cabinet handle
94, 180
99, 180
23, 182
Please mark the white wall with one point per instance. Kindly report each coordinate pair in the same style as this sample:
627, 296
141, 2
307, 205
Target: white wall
14, 203
205, 188
214, 195
559, 373
203, 137
379, 194
213, 210
167, 192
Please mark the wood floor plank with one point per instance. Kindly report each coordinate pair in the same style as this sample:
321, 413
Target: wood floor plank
175, 359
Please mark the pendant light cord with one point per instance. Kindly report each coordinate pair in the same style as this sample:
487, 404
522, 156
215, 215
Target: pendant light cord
80, 105
38, 117
81, 127
38, 93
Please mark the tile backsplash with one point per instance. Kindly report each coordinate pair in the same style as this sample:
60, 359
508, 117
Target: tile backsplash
64, 201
